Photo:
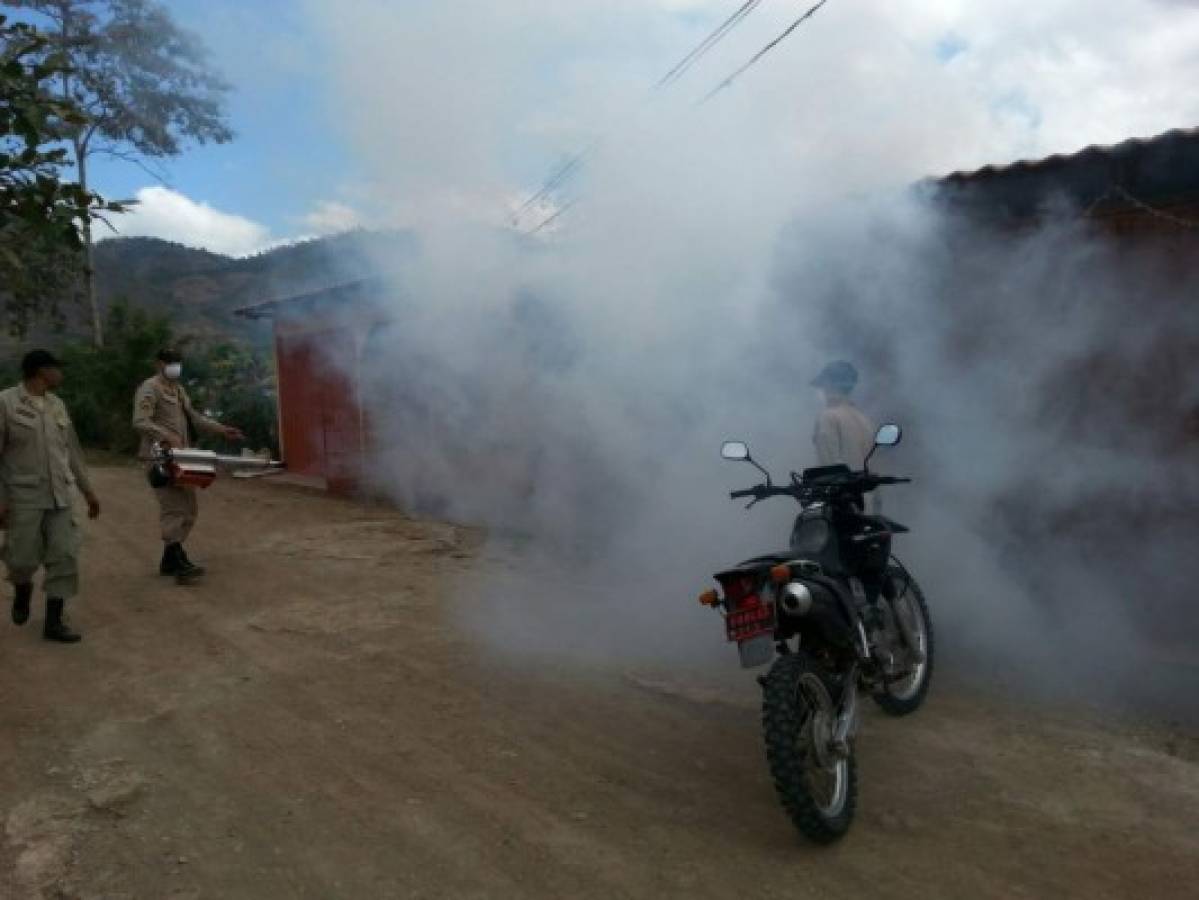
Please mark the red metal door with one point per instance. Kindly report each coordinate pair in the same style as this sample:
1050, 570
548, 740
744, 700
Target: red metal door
341, 429
299, 425
319, 413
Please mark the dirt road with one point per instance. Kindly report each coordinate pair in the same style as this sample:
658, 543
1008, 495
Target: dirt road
310, 722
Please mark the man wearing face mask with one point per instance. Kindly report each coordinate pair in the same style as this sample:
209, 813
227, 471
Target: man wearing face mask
162, 412
40, 462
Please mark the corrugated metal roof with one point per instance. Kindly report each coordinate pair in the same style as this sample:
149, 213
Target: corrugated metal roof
1130, 147
334, 293
1136, 175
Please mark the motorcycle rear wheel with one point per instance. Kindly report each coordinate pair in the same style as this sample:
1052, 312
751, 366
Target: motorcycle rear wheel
817, 788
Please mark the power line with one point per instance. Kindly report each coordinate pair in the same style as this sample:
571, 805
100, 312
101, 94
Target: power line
778, 40
559, 177
564, 172
561, 211
708, 43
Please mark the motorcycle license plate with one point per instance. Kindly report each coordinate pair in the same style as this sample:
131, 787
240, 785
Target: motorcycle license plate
756, 651
751, 622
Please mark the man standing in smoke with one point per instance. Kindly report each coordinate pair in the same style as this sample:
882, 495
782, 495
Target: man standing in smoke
162, 412
843, 435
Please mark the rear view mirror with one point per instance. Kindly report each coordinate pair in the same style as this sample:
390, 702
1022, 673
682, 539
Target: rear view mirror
888, 436
735, 450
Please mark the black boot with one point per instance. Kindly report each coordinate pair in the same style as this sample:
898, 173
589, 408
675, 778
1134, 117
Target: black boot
187, 569
56, 627
23, 593
170, 559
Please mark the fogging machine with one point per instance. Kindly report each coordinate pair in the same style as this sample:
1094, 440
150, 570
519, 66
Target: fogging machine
198, 468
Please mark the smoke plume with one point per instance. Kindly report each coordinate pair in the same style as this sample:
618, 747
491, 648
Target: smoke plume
570, 389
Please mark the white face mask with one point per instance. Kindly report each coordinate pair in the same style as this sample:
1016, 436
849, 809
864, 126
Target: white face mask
173, 370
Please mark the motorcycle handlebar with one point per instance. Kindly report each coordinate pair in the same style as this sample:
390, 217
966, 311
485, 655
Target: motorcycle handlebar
861, 482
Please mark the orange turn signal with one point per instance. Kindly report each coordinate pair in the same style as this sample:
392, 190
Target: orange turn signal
709, 598
780, 574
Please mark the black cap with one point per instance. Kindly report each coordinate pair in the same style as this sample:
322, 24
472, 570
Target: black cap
36, 360
169, 355
838, 376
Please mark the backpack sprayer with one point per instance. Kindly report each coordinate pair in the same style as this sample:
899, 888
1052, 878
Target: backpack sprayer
198, 468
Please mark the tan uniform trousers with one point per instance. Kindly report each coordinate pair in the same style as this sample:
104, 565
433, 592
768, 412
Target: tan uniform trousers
44, 537
178, 508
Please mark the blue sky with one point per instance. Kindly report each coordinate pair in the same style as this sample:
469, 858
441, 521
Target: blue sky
287, 158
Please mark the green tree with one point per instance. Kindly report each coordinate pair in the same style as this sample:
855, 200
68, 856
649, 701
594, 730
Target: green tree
40, 215
100, 383
143, 82
235, 384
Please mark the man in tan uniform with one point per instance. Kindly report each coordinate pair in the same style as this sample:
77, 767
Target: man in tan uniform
843, 435
162, 412
40, 462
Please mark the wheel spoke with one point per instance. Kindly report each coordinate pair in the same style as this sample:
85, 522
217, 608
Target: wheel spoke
826, 783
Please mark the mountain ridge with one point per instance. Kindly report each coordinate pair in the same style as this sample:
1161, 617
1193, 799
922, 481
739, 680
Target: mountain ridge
198, 290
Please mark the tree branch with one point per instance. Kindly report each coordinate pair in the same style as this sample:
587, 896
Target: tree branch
85, 140
112, 151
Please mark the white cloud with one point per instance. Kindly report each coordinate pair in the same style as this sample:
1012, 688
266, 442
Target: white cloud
172, 216
332, 217
163, 213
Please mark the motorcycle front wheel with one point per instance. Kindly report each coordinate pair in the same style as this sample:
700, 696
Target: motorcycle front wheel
816, 783
905, 695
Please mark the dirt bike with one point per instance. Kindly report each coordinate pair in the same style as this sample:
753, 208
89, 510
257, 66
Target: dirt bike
835, 612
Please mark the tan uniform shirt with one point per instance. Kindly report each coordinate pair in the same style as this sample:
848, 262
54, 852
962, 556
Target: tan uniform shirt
161, 412
40, 459
843, 436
